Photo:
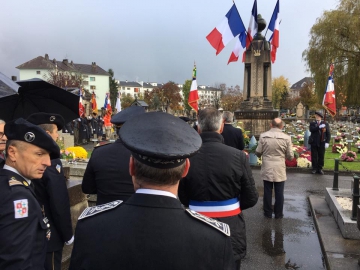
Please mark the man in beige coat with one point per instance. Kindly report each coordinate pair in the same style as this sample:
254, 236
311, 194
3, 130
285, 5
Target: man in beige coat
274, 146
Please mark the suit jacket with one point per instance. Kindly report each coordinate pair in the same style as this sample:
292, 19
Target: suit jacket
151, 232
233, 137
52, 194
316, 134
219, 172
22, 229
107, 173
274, 146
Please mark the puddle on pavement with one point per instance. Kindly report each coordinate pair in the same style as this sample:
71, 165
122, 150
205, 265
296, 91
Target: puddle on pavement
292, 242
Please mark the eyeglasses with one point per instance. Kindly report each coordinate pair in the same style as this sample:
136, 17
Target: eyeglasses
1, 134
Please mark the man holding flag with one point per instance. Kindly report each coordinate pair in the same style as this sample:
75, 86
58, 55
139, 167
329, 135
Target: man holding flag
320, 130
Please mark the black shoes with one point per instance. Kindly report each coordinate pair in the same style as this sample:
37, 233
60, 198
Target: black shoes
320, 172
313, 171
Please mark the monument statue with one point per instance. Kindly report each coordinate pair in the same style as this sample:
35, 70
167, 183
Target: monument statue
256, 111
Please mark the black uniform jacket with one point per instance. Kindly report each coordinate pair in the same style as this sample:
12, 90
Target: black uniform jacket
150, 232
316, 134
233, 137
219, 172
107, 173
22, 234
51, 192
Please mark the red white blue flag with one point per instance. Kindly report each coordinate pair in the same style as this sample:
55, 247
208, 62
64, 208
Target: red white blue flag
193, 94
229, 28
244, 40
274, 26
81, 106
107, 104
329, 100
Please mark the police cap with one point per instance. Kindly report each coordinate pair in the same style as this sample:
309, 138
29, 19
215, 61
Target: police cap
319, 114
22, 130
121, 117
47, 118
160, 140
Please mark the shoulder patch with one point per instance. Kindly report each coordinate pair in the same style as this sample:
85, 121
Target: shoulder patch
220, 226
58, 168
14, 182
91, 211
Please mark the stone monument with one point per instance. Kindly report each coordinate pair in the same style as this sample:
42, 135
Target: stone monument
300, 111
256, 111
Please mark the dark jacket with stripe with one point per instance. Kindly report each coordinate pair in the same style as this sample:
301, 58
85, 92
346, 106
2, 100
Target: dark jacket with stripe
219, 172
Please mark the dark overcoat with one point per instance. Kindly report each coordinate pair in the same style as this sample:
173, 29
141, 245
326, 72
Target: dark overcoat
233, 137
107, 173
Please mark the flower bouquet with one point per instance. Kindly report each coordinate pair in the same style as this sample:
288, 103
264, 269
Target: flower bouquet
67, 155
303, 162
339, 148
349, 156
77, 152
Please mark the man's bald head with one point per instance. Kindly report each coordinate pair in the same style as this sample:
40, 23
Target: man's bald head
277, 123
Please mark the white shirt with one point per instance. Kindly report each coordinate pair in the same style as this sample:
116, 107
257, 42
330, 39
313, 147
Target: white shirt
155, 192
6, 167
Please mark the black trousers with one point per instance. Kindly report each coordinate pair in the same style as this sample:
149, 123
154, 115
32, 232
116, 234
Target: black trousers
279, 198
53, 260
317, 157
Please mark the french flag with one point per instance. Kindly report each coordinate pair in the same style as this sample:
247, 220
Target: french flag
81, 106
244, 41
230, 27
107, 104
274, 27
329, 100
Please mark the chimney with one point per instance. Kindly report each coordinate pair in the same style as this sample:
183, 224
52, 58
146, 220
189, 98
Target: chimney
46, 56
65, 61
71, 63
93, 66
54, 61
14, 78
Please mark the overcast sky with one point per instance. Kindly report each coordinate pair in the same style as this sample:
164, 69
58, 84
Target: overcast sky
149, 40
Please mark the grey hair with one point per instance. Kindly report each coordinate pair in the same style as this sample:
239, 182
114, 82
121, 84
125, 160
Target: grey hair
2, 122
228, 117
210, 120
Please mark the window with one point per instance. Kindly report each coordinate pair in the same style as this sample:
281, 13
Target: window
92, 87
123, 88
136, 90
128, 88
38, 72
92, 79
85, 83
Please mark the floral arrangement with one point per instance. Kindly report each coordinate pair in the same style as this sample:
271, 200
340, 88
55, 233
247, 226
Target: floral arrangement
348, 156
64, 154
300, 137
339, 148
338, 139
303, 162
77, 152
291, 163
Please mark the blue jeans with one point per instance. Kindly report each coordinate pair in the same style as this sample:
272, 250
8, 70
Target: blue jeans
279, 198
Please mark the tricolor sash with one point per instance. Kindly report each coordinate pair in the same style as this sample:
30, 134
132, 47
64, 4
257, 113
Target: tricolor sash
216, 209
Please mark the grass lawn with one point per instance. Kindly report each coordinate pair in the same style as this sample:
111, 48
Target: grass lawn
329, 162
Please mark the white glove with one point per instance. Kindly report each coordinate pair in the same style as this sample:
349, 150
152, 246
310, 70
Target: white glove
326, 145
70, 241
322, 126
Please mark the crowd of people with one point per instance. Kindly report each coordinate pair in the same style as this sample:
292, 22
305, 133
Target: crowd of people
168, 196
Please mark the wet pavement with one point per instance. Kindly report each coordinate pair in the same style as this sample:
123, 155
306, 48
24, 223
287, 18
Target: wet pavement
291, 242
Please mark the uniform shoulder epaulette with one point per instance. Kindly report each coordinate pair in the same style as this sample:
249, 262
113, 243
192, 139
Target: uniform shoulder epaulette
221, 226
100, 145
14, 182
94, 210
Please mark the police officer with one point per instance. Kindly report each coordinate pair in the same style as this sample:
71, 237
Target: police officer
23, 227
51, 192
3, 140
152, 230
107, 172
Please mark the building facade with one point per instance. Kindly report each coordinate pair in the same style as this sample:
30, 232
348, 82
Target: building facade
296, 87
92, 77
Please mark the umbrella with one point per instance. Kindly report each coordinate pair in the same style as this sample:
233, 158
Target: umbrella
7, 86
36, 95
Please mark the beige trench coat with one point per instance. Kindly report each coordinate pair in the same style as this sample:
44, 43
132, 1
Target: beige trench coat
274, 146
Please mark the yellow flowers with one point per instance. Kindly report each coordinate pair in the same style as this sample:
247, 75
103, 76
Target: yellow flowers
77, 151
